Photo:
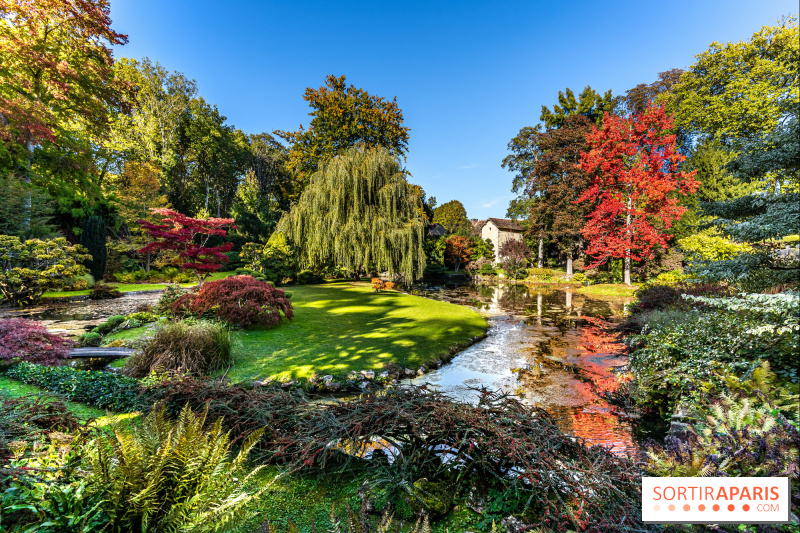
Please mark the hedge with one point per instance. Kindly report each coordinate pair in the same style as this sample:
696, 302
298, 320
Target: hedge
105, 390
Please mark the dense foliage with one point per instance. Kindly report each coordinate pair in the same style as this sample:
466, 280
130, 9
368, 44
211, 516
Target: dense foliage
239, 301
359, 213
179, 347
105, 390
274, 260
514, 255
458, 250
30, 341
452, 216
29, 268
189, 238
676, 351
342, 117
636, 179
181, 472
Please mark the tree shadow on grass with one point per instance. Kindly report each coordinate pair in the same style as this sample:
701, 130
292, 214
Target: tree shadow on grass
339, 329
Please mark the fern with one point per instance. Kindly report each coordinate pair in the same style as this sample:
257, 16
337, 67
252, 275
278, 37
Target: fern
173, 476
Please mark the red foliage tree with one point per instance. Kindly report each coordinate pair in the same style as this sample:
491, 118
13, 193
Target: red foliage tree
30, 341
635, 186
189, 238
458, 250
238, 300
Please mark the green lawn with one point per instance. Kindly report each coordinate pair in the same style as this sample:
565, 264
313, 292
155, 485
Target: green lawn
609, 290
339, 327
132, 287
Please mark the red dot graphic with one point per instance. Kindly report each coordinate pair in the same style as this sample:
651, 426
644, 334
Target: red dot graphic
731, 507
687, 507
701, 507
746, 507
671, 507
716, 507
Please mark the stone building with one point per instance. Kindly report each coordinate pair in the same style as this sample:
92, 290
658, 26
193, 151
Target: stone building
500, 230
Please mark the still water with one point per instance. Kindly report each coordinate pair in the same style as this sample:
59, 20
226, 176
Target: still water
539, 348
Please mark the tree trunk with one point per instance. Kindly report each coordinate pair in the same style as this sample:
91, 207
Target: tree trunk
569, 263
540, 262
628, 250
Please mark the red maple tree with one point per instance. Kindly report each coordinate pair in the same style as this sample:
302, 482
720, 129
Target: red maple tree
636, 183
457, 250
189, 238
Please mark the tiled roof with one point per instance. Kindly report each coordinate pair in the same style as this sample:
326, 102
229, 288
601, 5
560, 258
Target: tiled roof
506, 224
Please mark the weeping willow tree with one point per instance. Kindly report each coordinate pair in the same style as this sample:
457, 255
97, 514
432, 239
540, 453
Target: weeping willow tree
359, 212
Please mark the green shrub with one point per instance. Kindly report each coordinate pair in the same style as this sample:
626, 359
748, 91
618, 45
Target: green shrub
90, 338
718, 336
105, 390
275, 260
28, 269
183, 347
109, 325
171, 293
670, 278
579, 277
249, 272
182, 475
104, 292
307, 277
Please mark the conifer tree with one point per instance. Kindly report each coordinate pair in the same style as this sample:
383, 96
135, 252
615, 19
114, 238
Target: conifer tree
93, 238
359, 212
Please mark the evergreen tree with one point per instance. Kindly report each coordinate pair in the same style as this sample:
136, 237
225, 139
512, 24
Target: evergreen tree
93, 238
359, 212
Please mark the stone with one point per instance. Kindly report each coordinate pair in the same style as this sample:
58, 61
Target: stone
408, 372
369, 374
438, 364
334, 386
421, 371
383, 375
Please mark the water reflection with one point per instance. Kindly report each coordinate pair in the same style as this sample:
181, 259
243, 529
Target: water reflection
535, 349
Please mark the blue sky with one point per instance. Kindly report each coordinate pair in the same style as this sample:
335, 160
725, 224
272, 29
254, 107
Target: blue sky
468, 75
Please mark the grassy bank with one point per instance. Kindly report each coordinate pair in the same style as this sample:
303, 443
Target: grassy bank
341, 327
132, 287
608, 290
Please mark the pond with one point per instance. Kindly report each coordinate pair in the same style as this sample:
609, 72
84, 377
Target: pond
536, 349
72, 318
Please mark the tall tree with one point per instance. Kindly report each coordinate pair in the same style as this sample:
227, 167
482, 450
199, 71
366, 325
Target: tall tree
735, 91
525, 151
358, 212
56, 88
212, 157
635, 186
452, 216
589, 103
555, 182
149, 132
343, 116
637, 99
761, 219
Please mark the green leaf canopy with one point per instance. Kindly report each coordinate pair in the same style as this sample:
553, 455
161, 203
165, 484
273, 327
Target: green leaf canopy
359, 212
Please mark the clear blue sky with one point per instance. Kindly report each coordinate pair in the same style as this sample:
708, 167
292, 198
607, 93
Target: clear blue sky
467, 75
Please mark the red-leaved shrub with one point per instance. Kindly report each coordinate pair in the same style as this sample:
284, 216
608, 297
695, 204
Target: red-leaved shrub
30, 341
238, 300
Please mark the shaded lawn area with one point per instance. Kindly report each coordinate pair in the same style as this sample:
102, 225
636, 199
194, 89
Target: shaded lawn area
17, 389
339, 327
133, 287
